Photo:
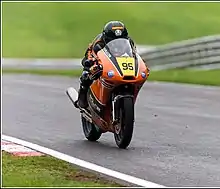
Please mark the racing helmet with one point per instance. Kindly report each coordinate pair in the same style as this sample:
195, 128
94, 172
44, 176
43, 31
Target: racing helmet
113, 30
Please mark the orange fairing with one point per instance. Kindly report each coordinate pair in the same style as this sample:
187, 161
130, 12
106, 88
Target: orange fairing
118, 78
142, 67
108, 66
102, 87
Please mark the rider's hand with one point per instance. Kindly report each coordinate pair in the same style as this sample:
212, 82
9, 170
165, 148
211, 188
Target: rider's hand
89, 63
96, 68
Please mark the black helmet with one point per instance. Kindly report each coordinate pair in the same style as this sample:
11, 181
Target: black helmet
114, 30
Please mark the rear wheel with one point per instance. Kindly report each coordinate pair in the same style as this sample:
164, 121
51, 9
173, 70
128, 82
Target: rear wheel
91, 132
124, 132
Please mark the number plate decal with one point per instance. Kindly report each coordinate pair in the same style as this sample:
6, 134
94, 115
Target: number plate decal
127, 65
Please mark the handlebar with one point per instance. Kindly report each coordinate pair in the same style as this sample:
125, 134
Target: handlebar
95, 71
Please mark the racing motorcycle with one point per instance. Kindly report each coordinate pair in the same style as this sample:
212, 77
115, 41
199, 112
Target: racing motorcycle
117, 79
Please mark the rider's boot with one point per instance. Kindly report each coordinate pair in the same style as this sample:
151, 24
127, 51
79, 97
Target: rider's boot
82, 93
82, 99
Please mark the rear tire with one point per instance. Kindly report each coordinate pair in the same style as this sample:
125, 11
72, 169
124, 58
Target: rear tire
123, 138
91, 132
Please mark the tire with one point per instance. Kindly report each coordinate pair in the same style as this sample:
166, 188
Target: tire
123, 138
91, 132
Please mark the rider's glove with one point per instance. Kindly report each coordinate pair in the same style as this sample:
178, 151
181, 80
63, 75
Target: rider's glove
90, 62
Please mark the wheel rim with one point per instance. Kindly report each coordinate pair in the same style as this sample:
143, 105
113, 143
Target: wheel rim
88, 126
119, 132
118, 128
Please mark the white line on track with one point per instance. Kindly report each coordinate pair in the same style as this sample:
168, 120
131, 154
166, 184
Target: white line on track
84, 164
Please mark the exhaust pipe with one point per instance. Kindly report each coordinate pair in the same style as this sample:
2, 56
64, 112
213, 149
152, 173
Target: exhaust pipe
72, 94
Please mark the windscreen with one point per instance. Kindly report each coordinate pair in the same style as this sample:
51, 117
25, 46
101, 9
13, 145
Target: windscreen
120, 48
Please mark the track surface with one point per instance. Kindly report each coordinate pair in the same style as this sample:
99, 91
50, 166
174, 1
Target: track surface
176, 140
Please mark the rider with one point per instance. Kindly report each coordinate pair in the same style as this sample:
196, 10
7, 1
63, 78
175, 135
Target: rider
112, 30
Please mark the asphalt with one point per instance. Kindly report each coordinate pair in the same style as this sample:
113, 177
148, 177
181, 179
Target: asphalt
176, 140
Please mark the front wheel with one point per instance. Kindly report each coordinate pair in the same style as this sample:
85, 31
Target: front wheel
124, 133
91, 132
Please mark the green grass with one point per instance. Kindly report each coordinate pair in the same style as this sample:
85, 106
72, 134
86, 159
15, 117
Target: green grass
40, 29
203, 77
46, 171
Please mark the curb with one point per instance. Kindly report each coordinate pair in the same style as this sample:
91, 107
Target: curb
79, 162
18, 150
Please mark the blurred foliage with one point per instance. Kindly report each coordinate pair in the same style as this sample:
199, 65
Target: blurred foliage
64, 29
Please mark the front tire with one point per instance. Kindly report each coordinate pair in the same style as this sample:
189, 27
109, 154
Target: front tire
91, 132
123, 138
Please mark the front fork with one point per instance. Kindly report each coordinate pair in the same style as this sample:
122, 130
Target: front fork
117, 102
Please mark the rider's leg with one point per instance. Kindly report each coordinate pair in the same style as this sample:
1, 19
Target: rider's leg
85, 82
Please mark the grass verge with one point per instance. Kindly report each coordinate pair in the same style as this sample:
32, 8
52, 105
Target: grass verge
46, 171
203, 77
64, 29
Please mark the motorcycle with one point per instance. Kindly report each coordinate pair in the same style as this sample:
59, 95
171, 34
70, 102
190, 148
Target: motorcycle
117, 78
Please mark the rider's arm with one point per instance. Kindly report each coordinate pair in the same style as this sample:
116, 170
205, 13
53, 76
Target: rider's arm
132, 43
88, 53
97, 47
